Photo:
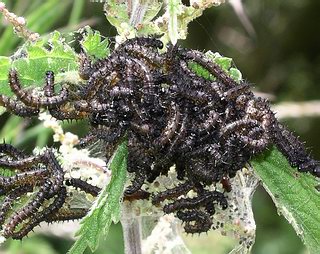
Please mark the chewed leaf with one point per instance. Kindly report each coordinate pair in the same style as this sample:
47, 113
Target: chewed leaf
295, 195
94, 45
46, 54
32, 61
106, 208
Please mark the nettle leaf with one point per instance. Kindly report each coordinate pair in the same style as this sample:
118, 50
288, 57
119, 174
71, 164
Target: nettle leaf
94, 45
32, 61
46, 54
106, 208
295, 195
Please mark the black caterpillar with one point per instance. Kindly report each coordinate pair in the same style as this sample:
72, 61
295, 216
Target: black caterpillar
208, 128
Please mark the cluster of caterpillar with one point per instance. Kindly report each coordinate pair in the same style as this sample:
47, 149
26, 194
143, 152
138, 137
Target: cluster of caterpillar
171, 116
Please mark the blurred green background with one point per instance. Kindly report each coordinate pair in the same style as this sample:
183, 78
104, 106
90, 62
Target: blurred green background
279, 55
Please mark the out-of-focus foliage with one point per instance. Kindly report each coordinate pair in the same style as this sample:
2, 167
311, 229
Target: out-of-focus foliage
281, 58
42, 16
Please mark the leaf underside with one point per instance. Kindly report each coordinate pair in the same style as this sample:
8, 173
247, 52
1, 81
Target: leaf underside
295, 195
107, 207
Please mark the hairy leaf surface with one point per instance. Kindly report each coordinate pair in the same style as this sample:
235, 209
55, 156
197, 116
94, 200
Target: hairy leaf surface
295, 195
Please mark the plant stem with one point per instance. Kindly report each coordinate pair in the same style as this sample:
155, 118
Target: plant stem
131, 226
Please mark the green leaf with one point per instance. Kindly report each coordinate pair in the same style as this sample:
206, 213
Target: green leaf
50, 53
235, 74
4, 70
93, 44
225, 64
106, 209
6, 172
294, 194
222, 61
201, 71
32, 61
